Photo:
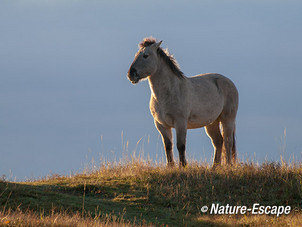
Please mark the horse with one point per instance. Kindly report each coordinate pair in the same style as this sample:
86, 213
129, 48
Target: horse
207, 100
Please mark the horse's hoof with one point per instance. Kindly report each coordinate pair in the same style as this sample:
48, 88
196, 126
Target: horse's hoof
170, 164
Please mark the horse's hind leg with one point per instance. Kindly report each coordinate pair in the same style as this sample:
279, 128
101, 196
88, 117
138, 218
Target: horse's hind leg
228, 130
213, 131
166, 134
234, 150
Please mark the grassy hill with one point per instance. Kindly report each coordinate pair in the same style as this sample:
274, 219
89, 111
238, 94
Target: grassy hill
139, 193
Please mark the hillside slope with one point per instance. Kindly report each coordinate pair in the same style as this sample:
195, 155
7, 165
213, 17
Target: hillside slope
142, 194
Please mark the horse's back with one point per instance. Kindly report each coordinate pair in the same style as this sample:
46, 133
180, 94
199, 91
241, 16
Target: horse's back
209, 80
212, 78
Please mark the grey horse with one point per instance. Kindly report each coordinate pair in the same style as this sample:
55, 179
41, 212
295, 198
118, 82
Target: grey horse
207, 100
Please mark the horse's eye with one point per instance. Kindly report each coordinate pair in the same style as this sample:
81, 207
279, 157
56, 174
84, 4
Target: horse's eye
145, 55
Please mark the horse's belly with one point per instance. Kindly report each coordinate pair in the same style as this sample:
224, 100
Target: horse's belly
195, 123
197, 120
203, 118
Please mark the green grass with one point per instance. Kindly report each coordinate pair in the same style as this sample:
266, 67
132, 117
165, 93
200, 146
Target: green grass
139, 193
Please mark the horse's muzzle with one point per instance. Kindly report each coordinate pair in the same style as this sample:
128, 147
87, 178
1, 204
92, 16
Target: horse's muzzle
133, 75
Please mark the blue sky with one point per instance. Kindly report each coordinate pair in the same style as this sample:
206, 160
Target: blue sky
65, 98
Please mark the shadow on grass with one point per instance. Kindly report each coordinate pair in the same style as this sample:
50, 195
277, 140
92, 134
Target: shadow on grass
95, 202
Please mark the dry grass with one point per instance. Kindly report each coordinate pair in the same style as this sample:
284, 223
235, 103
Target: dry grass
138, 193
252, 220
30, 218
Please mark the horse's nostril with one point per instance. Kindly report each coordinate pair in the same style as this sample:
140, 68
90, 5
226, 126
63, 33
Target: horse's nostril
132, 71
133, 75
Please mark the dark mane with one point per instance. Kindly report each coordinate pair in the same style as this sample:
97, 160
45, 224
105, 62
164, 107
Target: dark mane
164, 54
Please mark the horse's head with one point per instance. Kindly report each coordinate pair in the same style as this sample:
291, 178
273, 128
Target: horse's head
145, 62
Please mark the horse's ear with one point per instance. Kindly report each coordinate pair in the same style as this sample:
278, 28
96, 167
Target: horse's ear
157, 45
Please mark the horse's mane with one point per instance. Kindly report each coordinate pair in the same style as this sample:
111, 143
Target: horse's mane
165, 55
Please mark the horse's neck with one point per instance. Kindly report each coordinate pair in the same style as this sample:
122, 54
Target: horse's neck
163, 83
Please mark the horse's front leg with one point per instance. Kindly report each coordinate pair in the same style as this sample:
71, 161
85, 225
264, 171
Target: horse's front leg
181, 133
166, 134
